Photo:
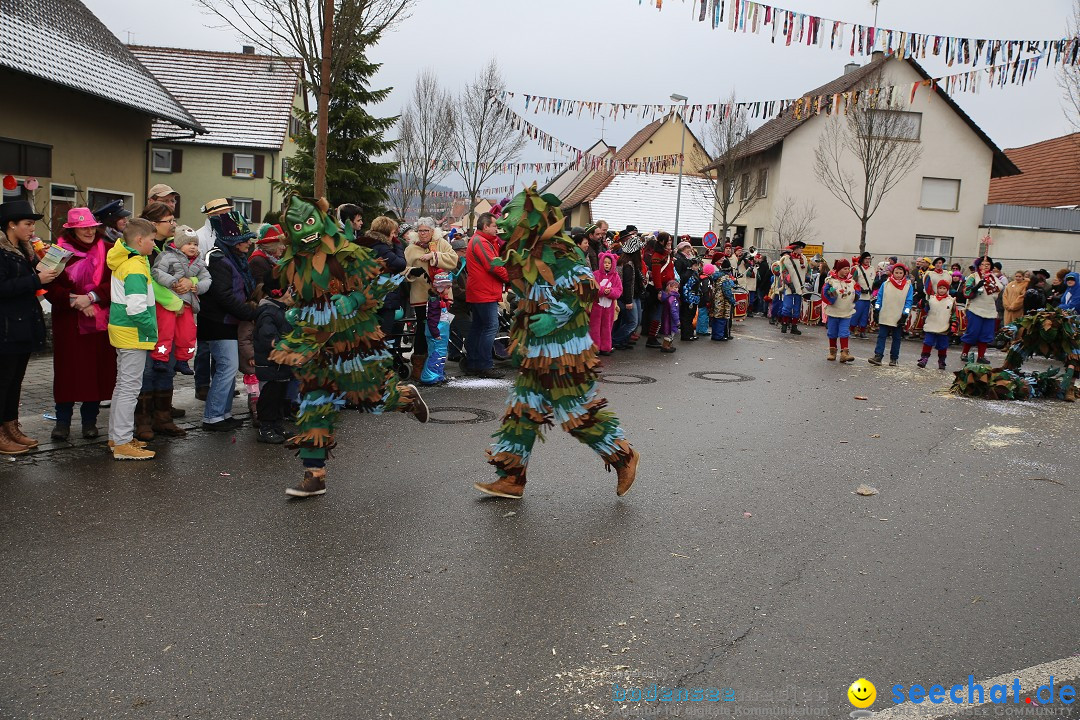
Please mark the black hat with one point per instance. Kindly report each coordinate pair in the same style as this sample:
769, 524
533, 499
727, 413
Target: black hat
15, 210
111, 211
864, 255
798, 244
939, 258
629, 229
1044, 272
577, 232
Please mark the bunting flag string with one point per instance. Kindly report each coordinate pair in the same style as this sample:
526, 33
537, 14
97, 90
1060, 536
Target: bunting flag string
1016, 72
464, 194
790, 28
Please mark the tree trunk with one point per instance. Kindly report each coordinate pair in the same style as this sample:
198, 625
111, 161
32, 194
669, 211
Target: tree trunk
323, 128
862, 237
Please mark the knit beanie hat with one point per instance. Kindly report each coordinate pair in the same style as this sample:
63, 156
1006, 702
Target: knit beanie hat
184, 235
841, 264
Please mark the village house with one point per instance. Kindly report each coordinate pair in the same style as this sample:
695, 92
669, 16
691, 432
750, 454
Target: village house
935, 210
247, 104
82, 137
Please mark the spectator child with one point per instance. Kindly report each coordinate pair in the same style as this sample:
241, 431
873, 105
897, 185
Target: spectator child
840, 295
938, 321
179, 265
438, 328
602, 316
691, 298
708, 270
892, 307
723, 302
270, 326
669, 314
132, 331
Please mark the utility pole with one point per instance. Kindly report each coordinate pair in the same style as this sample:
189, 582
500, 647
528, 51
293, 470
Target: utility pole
323, 126
682, 151
875, 4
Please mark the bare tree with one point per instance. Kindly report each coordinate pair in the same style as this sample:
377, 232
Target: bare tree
403, 191
326, 35
427, 132
794, 221
738, 179
483, 137
1069, 79
861, 158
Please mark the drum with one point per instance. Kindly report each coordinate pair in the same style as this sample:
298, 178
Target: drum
811, 312
742, 302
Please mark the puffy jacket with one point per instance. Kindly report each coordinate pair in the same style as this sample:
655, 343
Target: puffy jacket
172, 265
225, 304
270, 326
445, 259
393, 258
662, 269
132, 317
1071, 299
22, 323
485, 282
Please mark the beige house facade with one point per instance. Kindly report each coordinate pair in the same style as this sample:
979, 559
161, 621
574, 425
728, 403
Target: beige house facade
935, 210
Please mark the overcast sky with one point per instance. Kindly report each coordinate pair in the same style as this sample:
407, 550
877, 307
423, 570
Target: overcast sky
626, 51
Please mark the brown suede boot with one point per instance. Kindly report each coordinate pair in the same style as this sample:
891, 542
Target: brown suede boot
8, 446
832, 354
15, 433
162, 417
505, 487
845, 356
627, 473
314, 483
1070, 394
412, 402
144, 410
417, 366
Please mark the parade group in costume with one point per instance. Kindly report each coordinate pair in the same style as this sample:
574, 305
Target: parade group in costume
839, 294
550, 340
335, 343
793, 270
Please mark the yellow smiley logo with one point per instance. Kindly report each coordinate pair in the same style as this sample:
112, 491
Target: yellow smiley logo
862, 693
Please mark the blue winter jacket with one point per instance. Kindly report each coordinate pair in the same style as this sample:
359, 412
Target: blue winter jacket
1071, 299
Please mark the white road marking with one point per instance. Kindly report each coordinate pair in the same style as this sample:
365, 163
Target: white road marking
1030, 679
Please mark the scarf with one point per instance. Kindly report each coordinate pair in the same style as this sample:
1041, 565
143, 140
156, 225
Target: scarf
240, 264
898, 285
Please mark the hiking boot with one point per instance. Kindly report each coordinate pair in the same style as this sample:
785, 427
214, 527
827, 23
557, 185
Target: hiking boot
271, 435
314, 483
61, 431
137, 443
183, 368
845, 356
144, 417
784, 328
15, 433
667, 347
504, 487
893, 362
832, 354
89, 432
162, 421
131, 451
1070, 394
795, 330
652, 342
414, 403
627, 473
923, 360
8, 446
876, 360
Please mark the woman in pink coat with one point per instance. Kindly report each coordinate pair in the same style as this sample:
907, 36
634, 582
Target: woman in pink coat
609, 284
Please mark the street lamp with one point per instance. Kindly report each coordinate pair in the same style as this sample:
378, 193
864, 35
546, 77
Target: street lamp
675, 97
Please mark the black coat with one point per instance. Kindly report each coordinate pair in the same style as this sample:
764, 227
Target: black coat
627, 273
393, 257
764, 278
226, 303
22, 323
270, 326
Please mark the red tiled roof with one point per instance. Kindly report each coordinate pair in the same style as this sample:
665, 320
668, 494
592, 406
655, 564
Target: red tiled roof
1051, 175
774, 131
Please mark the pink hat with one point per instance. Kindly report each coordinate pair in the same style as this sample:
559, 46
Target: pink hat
81, 218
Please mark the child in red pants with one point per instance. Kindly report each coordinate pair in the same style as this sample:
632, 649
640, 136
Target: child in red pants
181, 269
602, 315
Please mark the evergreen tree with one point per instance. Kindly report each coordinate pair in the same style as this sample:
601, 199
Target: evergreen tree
356, 139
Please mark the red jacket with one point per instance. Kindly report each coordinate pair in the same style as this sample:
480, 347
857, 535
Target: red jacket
663, 270
484, 282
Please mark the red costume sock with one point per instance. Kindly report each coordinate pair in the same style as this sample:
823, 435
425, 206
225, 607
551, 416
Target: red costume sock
941, 354
843, 343
926, 350
982, 349
967, 348
832, 343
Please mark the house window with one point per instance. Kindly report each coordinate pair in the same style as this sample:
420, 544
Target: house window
295, 127
763, 182
243, 165
939, 194
18, 157
894, 124
744, 189
244, 206
933, 246
284, 169
96, 198
162, 160
759, 237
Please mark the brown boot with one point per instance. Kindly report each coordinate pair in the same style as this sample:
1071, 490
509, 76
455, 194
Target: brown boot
417, 366
412, 402
162, 417
253, 409
627, 473
15, 433
314, 483
845, 356
1070, 394
8, 446
144, 411
832, 354
666, 347
505, 487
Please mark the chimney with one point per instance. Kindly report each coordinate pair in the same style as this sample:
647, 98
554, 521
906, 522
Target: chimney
851, 67
249, 49
877, 55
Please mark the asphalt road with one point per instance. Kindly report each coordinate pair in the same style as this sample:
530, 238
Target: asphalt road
191, 587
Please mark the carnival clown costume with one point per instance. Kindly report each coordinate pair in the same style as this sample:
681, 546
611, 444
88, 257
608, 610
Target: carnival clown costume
335, 345
550, 340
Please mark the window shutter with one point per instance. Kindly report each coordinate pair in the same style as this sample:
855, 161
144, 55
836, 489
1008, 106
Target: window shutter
259, 160
177, 160
227, 164
256, 210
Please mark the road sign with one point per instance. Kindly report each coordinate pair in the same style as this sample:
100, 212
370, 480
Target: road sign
709, 239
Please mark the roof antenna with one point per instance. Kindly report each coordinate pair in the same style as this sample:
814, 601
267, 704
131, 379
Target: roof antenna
603, 123
875, 4
129, 34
